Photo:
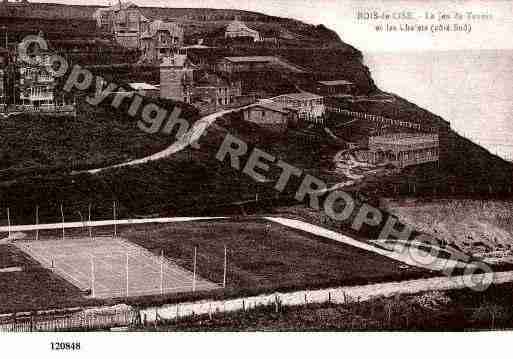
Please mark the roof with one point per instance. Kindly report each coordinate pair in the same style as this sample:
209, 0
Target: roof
236, 26
197, 46
158, 25
142, 86
251, 58
177, 60
403, 139
301, 96
211, 80
273, 106
336, 82
122, 6
118, 6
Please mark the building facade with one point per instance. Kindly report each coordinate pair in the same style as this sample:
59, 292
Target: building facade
404, 149
237, 29
124, 21
212, 88
336, 88
309, 106
27, 86
162, 39
232, 65
177, 78
271, 116
237, 64
144, 89
4, 61
35, 85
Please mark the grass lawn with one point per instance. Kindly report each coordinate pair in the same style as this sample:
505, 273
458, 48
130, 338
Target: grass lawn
265, 255
11, 257
34, 288
98, 136
81, 142
262, 257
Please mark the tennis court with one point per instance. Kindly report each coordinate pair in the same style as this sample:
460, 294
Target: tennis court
112, 267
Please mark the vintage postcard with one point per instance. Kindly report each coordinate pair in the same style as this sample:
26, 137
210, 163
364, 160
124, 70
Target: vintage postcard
255, 166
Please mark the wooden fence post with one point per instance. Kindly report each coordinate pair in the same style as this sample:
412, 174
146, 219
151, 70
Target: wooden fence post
32, 321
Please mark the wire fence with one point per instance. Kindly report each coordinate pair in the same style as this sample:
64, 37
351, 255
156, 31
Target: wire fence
83, 321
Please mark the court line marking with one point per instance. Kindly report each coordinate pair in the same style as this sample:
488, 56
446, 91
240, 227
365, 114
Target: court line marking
144, 263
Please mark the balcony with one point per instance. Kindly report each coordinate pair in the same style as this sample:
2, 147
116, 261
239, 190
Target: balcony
45, 108
45, 79
37, 97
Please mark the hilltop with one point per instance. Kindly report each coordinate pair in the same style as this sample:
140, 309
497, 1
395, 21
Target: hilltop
195, 182
198, 22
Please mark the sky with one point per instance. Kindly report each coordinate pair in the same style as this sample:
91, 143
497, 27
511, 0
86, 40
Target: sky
493, 32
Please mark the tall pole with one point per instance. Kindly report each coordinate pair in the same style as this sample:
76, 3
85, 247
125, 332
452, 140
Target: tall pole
62, 215
37, 223
194, 271
92, 276
225, 266
5, 35
127, 274
162, 272
114, 215
9, 221
89, 221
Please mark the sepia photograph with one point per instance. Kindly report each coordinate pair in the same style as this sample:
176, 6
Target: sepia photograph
277, 166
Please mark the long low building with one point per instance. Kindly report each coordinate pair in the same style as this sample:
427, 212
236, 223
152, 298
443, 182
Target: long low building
237, 29
271, 116
404, 149
238, 64
309, 106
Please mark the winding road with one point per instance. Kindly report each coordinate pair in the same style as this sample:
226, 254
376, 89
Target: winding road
194, 134
441, 283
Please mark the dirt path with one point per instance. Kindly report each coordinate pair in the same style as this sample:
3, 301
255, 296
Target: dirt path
413, 256
192, 136
85, 224
334, 295
338, 294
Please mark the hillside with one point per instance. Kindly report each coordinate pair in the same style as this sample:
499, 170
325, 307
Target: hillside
465, 167
193, 182
96, 137
84, 43
483, 228
198, 23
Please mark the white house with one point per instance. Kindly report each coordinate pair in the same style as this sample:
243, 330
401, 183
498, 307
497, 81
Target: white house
309, 106
238, 29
